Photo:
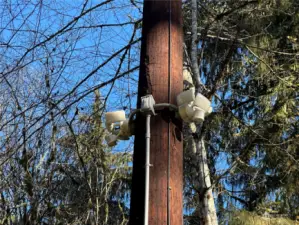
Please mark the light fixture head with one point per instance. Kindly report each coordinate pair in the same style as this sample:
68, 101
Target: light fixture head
124, 131
199, 115
193, 108
202, 102
118, 126
186, 97
114, 118
186, 112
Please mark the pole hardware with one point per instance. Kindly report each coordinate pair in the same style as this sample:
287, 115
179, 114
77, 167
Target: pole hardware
191, 108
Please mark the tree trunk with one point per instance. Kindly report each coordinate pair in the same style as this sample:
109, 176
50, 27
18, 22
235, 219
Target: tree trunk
194, 42
207, 208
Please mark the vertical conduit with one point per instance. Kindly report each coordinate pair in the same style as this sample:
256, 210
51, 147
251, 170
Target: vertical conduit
147, 166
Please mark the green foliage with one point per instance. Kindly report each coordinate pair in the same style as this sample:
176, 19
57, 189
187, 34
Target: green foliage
254, 127
247, 218
102, 186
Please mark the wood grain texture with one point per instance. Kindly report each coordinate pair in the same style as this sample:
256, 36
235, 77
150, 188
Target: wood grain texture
154, 79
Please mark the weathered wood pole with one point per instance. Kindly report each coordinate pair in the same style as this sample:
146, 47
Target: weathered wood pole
160, 75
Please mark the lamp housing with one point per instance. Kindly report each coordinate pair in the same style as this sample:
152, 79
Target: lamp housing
124, 131
186, 97
193, 108
114, 119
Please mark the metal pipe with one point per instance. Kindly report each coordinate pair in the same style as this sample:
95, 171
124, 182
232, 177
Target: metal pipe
147, 167
165, 105
147, 151
156, 106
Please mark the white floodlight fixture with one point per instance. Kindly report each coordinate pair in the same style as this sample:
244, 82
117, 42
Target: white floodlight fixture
124, 131
186, 112
118, 126
186, 97
202, 102
114, 120
185, 103
202, 107
193, 108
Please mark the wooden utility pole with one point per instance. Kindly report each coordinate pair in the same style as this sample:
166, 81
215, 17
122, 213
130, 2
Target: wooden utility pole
160, 75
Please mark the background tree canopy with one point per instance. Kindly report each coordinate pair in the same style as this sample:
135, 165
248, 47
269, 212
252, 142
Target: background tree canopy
64, 63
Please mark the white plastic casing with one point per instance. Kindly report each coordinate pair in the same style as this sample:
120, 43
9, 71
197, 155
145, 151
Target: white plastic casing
193, 108
186, 112
111, 140
202, 102
186, 97
114, 128
124, 133
118, 125
114, 117
199, 115
147, 104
